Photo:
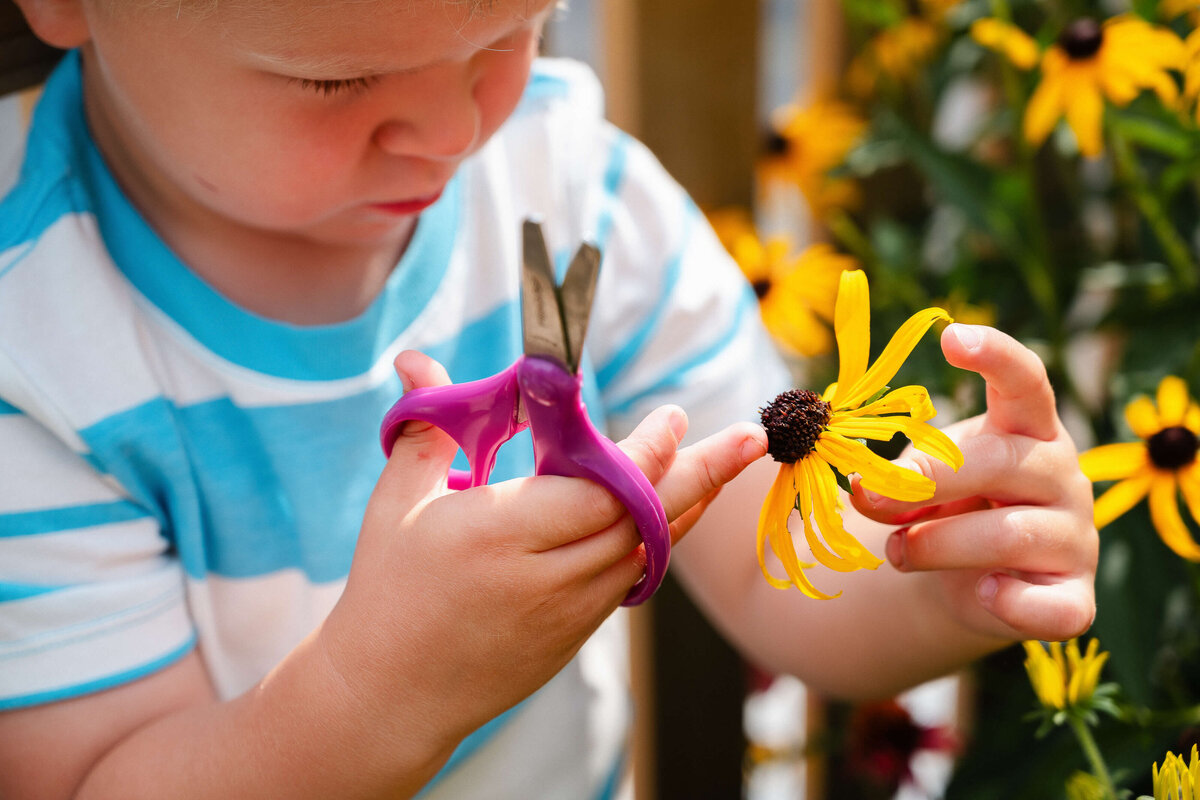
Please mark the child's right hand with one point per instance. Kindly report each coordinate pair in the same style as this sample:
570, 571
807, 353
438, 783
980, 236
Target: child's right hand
460, 604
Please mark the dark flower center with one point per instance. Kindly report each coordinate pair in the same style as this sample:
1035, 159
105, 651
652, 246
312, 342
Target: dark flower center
1082, 38
775, 144
761, 287
793, 422
1172, 448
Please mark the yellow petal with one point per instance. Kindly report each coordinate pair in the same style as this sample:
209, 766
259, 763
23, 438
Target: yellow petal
890, 360
825, 509
1172, 401
776, 506
852, 326
1142, 417
1189, 486
1044, 110
1164, 512
934, 442
1084, 110
809, 498
911, 400
878, 474
1111, 462
1120, 498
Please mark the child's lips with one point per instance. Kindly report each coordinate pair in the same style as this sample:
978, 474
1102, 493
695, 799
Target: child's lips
407, 207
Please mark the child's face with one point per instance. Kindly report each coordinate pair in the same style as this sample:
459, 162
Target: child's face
334, 121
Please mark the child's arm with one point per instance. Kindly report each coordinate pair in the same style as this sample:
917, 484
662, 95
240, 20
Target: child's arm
458, 605
1005, 550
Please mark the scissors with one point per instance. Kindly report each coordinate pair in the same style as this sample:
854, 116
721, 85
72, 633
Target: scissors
541, 391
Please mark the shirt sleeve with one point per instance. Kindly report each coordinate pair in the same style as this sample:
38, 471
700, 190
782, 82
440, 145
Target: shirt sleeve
680, 323
90, 597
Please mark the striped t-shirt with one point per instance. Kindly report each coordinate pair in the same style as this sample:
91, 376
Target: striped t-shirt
176, 472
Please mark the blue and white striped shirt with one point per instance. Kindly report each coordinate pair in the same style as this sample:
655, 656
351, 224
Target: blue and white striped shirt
176, 471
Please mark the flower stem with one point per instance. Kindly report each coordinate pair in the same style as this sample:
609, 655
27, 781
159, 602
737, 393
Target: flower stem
1088, 743
1175, 249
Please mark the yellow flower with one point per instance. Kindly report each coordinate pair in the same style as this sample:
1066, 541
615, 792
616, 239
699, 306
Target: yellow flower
1178, 779
1191, 69
813, 141
812, 435
795, 292
897, 53
1162, 465
1091, 62
1085, 786
1061, 682
1007, 39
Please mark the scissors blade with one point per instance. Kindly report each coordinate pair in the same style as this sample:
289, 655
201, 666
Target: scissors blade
541, 312
578, 290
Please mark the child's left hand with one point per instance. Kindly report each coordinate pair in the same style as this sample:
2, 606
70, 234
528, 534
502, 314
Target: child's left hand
1011, 532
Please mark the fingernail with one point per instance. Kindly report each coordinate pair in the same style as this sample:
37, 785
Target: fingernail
677, 420
894, 549
968, 336
752, 449
872, 498
987, 588
406, 383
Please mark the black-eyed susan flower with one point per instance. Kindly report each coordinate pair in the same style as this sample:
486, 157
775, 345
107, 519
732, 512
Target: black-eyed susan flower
1161, 466
1015, 44
812, 436
1191, 70
1177, 779
795, 292
810, 142
1091, 62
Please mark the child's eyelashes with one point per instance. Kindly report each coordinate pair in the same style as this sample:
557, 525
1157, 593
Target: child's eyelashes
328, 88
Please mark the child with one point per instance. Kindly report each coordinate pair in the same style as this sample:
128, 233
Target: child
231, 219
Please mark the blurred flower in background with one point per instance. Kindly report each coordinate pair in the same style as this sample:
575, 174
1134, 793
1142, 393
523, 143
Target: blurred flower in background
1162, 465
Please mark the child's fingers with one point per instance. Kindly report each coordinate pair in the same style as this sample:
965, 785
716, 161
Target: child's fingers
1056, 610
1019, 396
1002, 468
422, 453
1030, 539
568, 509
695, 477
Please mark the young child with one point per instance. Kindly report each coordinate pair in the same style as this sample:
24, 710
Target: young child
231, 220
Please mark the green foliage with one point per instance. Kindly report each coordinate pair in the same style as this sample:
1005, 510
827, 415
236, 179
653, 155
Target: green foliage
1090, 261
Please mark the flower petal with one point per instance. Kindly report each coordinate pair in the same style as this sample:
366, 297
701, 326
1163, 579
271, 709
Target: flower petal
809, 499
825, 509
776, 506
911, 400
890, 360
1084, 112
878, 474
1164, 512
852, 326
1142, 417
1120, 498
1172, 401
1111, 462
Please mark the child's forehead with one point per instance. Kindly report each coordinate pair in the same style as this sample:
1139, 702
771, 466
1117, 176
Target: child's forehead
360, 36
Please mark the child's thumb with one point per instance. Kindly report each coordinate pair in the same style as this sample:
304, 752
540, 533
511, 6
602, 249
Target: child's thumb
422, 453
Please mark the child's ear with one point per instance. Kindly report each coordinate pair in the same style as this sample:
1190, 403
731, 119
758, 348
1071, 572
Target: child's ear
60, 23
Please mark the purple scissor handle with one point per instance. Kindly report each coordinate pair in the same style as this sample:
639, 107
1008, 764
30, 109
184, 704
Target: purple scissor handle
541, 391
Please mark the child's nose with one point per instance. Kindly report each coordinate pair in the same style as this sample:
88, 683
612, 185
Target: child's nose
438, 118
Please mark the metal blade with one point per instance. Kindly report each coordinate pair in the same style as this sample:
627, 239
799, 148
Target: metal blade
541, 314
578, 290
